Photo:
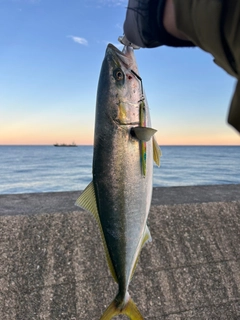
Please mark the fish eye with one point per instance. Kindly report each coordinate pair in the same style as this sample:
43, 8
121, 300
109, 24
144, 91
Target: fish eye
118, 74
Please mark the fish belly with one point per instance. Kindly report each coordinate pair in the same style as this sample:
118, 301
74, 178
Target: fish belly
123, 198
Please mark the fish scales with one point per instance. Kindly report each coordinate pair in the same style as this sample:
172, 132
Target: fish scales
120, 189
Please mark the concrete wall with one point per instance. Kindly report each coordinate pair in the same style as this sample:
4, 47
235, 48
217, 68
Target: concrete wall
52, 264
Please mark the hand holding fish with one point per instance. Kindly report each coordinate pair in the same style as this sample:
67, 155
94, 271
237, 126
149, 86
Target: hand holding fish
123, 40
211, 25
150, 24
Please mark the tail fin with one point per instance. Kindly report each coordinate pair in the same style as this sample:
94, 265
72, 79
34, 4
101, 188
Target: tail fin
130, 310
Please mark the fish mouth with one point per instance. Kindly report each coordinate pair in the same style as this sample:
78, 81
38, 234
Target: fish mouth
112, 49
119, 55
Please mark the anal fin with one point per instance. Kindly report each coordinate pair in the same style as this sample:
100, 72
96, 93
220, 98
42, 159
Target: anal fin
145, 239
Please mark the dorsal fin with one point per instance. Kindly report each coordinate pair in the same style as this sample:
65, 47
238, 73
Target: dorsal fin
87, 201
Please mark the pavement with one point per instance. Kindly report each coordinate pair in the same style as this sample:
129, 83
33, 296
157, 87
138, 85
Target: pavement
52, 264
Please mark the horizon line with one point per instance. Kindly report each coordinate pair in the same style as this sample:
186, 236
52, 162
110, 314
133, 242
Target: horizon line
162, 145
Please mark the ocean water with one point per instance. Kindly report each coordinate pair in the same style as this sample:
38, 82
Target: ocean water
26, 169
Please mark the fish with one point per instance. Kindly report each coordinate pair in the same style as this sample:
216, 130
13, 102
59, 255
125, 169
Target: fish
119, 195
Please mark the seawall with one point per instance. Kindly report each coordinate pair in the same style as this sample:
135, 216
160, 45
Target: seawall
52, 264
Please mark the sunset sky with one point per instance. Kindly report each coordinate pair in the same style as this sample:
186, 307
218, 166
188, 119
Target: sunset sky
50, 58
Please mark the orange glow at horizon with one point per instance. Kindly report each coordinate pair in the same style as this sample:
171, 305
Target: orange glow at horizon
46, 136
86, 138
231, 138
47, 133
34, 140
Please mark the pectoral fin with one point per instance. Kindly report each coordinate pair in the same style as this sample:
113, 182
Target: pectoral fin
143, 133
87, 201
147, 237
156, 152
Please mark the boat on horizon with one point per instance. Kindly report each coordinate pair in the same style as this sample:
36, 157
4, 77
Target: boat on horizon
65, 145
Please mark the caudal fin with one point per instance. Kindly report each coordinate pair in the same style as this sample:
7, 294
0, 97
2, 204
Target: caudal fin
129, 310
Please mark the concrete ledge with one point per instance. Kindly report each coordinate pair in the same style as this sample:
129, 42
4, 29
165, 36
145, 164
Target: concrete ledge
52, 202
52, 266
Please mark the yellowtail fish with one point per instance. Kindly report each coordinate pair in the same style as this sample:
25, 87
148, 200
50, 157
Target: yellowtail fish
120, 193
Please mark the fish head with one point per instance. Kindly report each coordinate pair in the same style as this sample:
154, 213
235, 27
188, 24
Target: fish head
120, 87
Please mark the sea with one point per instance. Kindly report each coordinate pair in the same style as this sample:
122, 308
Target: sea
31, 169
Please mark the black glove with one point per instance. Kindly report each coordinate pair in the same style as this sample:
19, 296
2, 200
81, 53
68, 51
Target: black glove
143, 25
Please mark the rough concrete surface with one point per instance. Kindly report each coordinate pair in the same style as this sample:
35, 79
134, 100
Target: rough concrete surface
52, 264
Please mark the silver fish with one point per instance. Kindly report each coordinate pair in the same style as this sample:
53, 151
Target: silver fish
120, 193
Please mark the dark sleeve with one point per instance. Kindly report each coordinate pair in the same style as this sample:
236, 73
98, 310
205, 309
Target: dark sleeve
214, 26
143, 25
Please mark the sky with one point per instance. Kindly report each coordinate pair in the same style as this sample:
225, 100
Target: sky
50, 59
